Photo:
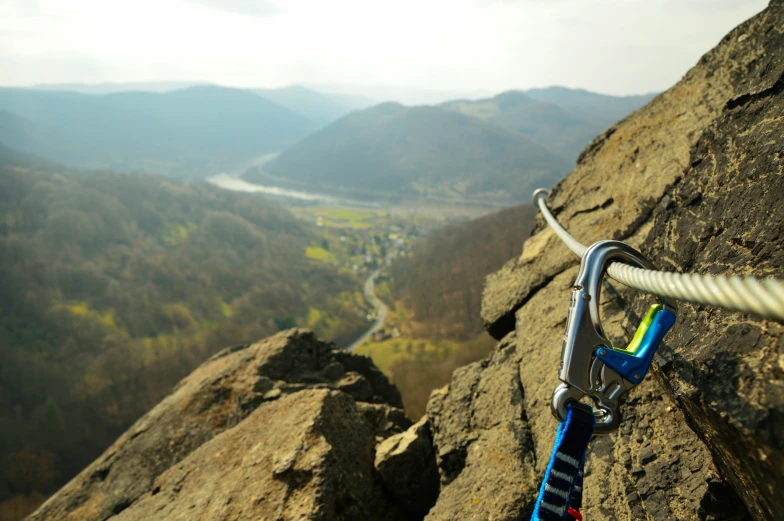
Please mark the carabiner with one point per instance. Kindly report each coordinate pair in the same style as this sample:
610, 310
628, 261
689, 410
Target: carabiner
590, 365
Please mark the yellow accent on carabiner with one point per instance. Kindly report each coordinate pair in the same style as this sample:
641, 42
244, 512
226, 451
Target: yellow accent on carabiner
644, 325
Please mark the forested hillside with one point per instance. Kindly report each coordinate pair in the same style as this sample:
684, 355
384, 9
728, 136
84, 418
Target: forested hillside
116, 286
562, 120
435, 295
393, 150
591, 105
441, 281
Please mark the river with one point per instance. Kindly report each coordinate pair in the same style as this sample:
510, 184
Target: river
237, 184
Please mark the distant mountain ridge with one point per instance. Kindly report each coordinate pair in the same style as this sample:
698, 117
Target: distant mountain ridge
560, 119
591, 105
495, 149
418, 151
188, 133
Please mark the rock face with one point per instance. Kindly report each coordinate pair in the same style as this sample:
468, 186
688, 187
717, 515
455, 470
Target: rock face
290, 429
695, 179
483, 442
282, 429
725, 370
305, 456
624, 173
408, 470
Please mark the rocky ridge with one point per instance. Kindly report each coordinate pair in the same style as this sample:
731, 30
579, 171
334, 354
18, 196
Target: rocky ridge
694, 180
285, 428
289, 428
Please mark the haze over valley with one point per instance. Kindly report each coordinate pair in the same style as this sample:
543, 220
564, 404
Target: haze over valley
494, 150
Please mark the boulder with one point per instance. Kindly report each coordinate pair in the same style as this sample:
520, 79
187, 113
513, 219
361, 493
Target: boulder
385, 420
217, 397
407, 466
308, 455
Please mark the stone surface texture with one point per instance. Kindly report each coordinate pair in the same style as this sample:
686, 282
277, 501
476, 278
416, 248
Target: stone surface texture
233, 398
407, 466
484, 447
308, 455
695, 179
627, 170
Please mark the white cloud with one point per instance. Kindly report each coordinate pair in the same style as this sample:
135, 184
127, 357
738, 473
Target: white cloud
614, 46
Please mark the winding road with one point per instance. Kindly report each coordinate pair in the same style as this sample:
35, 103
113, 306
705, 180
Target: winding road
381, 310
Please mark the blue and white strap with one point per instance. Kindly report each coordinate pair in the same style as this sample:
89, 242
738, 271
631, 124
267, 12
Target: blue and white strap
560, 496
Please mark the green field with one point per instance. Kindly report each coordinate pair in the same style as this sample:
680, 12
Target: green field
342, 216
391, 352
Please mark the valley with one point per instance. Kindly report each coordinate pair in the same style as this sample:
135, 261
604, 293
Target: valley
372, 226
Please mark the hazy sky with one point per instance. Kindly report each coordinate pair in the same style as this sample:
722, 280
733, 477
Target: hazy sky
610, 46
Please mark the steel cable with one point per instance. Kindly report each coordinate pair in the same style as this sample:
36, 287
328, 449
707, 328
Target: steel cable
746, 294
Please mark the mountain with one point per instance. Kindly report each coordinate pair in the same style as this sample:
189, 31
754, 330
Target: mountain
189, 133
23, 134
590, 105
114, 87
562, 120
114, 286
398, 93
424, 151
321, 108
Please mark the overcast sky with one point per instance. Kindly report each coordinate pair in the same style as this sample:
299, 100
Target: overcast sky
458, 46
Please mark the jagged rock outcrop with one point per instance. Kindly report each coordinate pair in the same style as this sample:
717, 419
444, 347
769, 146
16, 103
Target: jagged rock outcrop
308, 455
483, 441
282, 429
407, 466
695, 180
725, 370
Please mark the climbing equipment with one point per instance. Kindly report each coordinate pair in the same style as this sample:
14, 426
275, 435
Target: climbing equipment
746, 294
592, 368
